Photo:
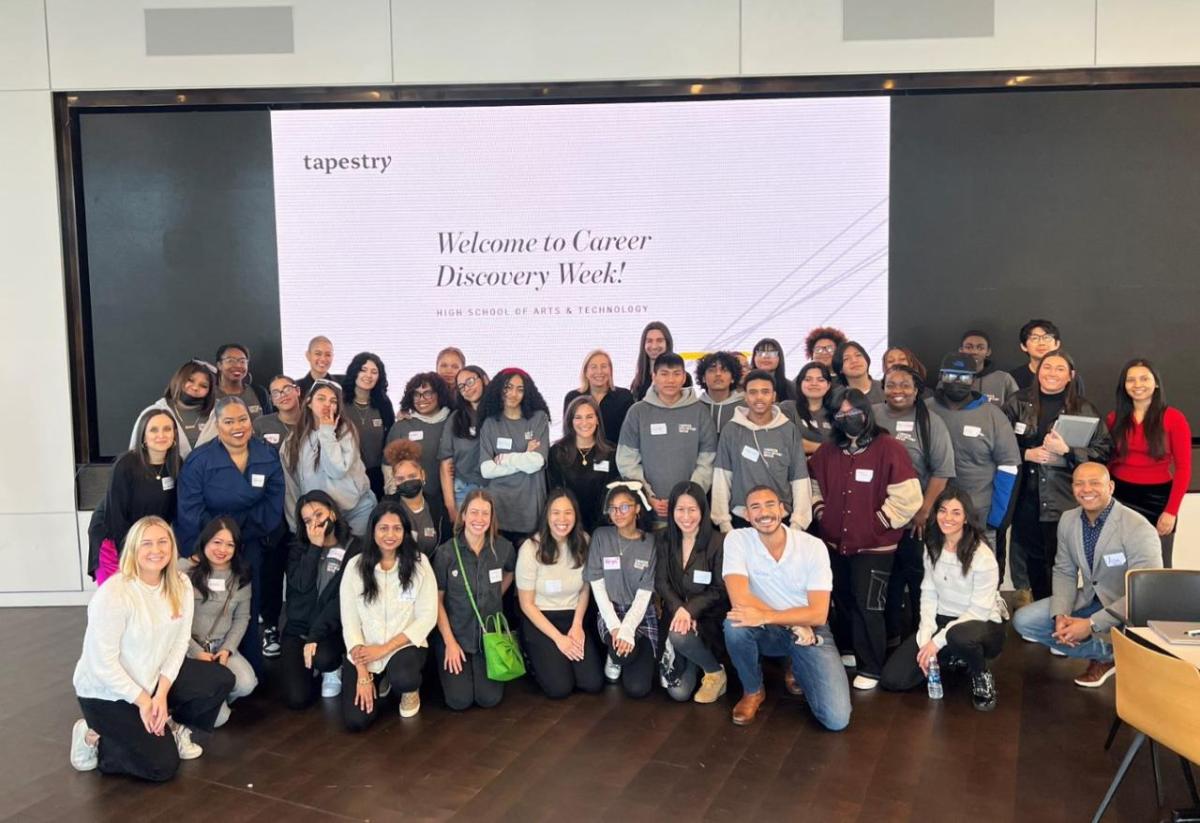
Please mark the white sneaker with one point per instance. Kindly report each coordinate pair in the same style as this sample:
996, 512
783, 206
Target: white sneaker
1027, 639
849, 661
331, 683
864, 683
1057, 653
612, 671
183, 742
84, 757
410, 704
384, 688
222, 716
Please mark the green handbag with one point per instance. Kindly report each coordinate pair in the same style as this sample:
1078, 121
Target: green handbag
500, 647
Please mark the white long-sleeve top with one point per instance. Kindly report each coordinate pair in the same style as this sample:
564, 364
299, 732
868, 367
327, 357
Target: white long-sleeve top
396, 610
946, 591
131, 639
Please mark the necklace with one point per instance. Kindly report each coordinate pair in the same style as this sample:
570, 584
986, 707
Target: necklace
583, 454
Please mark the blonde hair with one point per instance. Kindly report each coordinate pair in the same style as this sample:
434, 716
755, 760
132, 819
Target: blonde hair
584, 386
173, 586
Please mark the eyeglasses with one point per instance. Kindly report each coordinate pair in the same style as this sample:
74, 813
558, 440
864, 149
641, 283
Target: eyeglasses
286, 390
957, 377
767, 352
469, 383
236, 361
1040, 338
426, 394
624, 508
845, 415
824, 349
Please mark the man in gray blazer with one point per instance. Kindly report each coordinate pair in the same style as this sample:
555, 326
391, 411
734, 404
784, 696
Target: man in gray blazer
1098, 543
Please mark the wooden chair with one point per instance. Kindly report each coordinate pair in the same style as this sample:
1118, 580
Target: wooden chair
1157, 695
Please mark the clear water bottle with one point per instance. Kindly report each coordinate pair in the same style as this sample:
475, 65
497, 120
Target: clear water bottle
934, 681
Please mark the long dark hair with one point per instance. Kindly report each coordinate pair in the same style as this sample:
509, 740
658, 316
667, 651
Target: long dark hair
465, 417
604, 447
183, 374
379, 398
492, 402
802, 400
839, 357
784, 390
341, 529
919, 407
577, 542
972, 533
435, 382
645, 516
1152, 424
371, 555
858, 400
172, 461
1072, 400
239, 567
643, 373
307, 424
671, 538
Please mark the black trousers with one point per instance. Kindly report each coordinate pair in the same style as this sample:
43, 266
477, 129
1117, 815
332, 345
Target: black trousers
860, 584
975, 642
557, 675
274, 567
1150, 501
375, 478
638, 667
904, 587
125, 745
1039, 539
299, 685
471, 686
403, 670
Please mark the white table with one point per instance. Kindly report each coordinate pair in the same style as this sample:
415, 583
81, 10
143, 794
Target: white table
1189, 653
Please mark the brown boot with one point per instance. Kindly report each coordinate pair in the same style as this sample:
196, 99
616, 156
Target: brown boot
711, 687
789, 680
747, 707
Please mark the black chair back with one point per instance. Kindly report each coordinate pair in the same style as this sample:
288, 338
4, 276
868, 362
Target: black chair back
1162, 594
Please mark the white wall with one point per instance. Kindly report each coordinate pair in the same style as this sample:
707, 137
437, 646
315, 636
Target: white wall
77, 45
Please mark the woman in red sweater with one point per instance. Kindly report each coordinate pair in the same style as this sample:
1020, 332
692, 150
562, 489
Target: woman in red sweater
1150, 438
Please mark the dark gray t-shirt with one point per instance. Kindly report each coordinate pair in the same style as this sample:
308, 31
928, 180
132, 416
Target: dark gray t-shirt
249, 397
485, 572
464, 451
624, 565
519, 497
370, 433
935, 459
270, 428
429, 437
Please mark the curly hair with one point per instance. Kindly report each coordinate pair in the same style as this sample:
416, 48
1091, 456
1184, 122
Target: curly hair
435, 382
822, 333
400, 451
725, 358
492, 404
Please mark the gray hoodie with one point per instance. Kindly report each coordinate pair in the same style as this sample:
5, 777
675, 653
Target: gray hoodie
721, 411
750, 455
339, 472
662, 445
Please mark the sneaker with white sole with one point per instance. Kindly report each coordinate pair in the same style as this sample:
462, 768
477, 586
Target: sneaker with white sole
612, 671
331, 683
1057, 653
849, 661
84, 756
188, 750
270, 638
222, 716
1096, 674
864, 683
384, 687
410, 704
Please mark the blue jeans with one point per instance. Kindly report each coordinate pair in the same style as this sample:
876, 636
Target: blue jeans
1035, 622
817, 669
461, 490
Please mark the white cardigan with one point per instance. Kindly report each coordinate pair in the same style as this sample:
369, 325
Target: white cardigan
131, 639
396, 610
944, 590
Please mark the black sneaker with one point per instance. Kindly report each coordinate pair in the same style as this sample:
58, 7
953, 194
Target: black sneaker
956, 664
270, 641
983, 691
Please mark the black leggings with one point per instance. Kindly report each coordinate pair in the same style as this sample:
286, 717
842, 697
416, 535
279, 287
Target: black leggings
126, 747
637, 667
298, 684
471, 686
555, 673
274, 568
904, 587
403, 670
860, 584
974, 641
1039, 539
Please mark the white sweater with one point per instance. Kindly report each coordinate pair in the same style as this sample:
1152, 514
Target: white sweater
409, 611
945, 590
131, 639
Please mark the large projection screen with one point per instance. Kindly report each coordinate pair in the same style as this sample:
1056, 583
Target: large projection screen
529, 235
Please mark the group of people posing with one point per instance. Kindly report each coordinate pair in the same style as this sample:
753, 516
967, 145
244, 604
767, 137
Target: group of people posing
835, 520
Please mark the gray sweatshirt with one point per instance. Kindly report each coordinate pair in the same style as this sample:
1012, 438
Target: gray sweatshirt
984, 446
222, 619
662, 445
932, 459
721, 412
996, 386
340, 473
751, 455
516, 478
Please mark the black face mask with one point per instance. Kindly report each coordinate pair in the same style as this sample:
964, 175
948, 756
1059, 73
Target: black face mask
853, 424
409, 488
187, 400
956, 392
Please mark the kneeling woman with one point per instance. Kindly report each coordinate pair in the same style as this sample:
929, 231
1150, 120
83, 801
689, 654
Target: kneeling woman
961, 609
620, 569
554, 600
311, 646
475, 564
221, 586
140, 695
688, 579
389, 607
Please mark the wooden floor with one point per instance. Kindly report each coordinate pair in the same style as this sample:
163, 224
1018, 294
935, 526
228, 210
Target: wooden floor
1038, 757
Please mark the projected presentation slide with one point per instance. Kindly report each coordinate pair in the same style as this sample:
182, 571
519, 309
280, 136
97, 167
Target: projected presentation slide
530, 235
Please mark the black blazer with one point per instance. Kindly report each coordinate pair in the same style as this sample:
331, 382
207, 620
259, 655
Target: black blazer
676, 585
312, 616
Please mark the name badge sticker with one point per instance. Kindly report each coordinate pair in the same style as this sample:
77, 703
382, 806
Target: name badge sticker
1019, 428
972, 431
904, 425
612, 564
1115, 559
552, 586
168, 483
504, 442
336, 554
750, 453
686, 428
430, 531
641, 565
658, 428
702, 576
495, 575
600, 466
216, 584
417, 434
258, 480
864, 475
272, 438
376, 423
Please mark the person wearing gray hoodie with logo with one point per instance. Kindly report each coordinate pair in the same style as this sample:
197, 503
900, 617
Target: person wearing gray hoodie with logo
719, 373
760, 447
668, 437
